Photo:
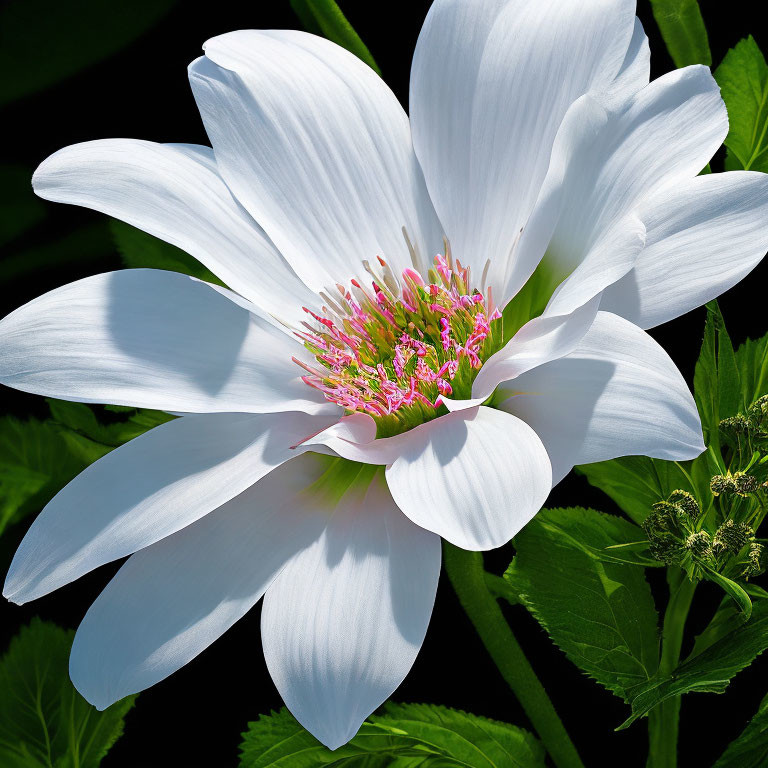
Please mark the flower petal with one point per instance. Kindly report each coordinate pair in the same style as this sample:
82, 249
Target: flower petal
148, 489
635, 72
539, 341
171, 600
475, 477
152, 339
318, 149
663, 136
704, 235
174, 191
490, 84
342, 623
617, 394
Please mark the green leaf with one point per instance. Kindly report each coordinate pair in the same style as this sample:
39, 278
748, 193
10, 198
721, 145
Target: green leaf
324, 17
752, 362
637, 482
38, 458
732, 589
682, 27
46, 41
140, 249
717, 387
743, 81
749, 749
44, 721
600, 613
711, 670
405, 736
35, 463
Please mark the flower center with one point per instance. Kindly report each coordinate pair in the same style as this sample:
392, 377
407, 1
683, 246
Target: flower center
392, 350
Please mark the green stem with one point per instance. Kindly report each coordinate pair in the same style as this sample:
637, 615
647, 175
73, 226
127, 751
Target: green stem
466, 573
664, 720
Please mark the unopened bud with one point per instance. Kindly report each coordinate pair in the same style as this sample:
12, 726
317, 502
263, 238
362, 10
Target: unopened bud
667, 549
700, 545
722, 484
686, 502
745, 484
759, 409
755, 566
736, 425
731, 537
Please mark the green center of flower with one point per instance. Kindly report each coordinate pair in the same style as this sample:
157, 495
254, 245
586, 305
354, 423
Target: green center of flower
393, 350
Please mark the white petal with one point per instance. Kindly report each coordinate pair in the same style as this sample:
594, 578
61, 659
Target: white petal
490, 84
635, 72
663, 136
617, 394
342, 623
318, 149
152, 339
540, 340
609, 259
174, 191
171, 600
704, 235
148, 489
474, 477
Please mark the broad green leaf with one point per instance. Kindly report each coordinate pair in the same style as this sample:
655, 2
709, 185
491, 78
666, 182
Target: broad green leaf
743, 81
752, 362
637, 482
35, 463
140, 249
717, 388
732, 589
38, 458
750, 749
711, 670
682, 27
44, 721
405, 736
20, 208
324, 17
45, 41
600, 613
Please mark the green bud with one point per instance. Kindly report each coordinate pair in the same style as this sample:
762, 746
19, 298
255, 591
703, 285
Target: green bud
686, 502
759, 409
736, 425
667, 549
756, 561
745, 484
700, 545
731, 537
722, 484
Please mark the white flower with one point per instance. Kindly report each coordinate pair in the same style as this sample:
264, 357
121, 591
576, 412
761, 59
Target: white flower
559, 176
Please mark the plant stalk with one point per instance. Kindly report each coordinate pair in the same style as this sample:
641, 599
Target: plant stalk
664, 720
466, 573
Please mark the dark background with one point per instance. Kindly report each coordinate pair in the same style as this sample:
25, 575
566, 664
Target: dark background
195, 717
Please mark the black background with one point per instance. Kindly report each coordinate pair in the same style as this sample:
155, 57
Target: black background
195, 717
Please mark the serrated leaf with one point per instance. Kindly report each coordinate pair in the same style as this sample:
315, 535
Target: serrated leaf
35, 462
44, 721
46, 41
324, 17
637, 482
38, 458
717, 386
750, 749
139, 249
711, 670
752, 362
601, 614
743, 81
682, 27
405, 736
